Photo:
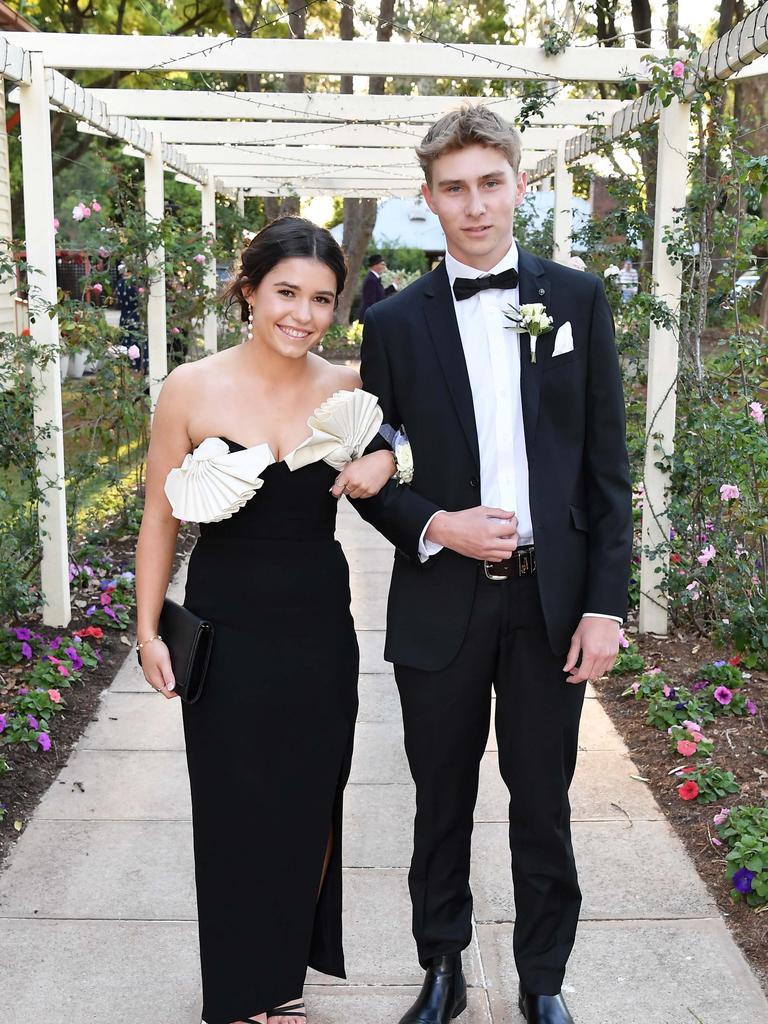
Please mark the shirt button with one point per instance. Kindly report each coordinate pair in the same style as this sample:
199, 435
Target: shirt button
474, 482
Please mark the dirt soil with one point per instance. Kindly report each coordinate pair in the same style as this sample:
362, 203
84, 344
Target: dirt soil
741, 746
33, 771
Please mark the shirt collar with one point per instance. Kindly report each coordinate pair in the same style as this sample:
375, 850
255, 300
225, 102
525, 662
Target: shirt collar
455, 269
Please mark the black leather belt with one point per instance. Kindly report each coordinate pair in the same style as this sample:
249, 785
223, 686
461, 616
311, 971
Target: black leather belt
522, 563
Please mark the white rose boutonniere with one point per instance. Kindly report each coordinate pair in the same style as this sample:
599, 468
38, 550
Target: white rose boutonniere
531, 317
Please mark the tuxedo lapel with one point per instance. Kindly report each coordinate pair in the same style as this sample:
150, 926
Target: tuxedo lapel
444, 330
534, 287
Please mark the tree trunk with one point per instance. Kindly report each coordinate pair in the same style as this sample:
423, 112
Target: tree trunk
297, 22
245, 30
673, 24
376, 83
347, 34
642, 24
281, 206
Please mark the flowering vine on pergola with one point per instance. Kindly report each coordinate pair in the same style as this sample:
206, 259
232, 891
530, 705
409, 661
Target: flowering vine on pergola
340, 145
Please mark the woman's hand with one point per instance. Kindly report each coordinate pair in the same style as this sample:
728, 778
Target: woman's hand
365, 476
156, 665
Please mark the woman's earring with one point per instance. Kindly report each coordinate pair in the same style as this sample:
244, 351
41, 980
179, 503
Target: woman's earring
250, 323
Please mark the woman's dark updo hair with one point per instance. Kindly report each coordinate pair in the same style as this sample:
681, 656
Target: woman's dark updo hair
283, 239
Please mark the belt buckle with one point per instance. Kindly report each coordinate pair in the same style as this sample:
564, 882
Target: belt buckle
490, 576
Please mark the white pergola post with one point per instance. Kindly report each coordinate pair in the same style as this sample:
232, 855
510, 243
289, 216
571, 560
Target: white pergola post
563, 207
154, 207
671, 178
241, 202
41, 258
210, 340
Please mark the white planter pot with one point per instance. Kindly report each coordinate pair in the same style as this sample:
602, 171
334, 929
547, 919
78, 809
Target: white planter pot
63, 365
77, 361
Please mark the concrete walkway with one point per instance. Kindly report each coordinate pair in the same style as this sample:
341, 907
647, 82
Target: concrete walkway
97, 910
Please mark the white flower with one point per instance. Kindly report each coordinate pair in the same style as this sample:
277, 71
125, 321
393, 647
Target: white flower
611, 271
531, 317
78, 212
404, 461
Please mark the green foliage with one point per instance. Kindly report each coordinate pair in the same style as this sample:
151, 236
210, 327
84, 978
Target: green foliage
745, 831
682, 705
714, 783
629, 660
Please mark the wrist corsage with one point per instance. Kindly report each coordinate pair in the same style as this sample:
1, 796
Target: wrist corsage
401, 450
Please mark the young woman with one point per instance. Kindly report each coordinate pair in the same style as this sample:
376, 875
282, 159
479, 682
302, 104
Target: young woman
249, 442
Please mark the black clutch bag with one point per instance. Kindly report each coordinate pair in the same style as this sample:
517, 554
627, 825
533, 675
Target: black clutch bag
189, 640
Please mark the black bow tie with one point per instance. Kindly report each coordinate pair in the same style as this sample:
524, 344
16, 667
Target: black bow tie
466, 287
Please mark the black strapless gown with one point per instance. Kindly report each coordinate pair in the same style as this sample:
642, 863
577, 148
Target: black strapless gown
269, 743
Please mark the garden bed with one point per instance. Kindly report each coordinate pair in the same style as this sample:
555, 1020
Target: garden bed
740, 746
32, 769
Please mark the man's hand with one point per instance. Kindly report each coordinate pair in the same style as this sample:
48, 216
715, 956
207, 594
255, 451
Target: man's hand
484, 533
597, 640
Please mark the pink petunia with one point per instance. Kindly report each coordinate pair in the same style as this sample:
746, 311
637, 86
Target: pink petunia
757, 412
686, 748
678, 69
55, 696
722, 816
751, 706
715, 841
106, 598
623, 641
729, 492
707, 554
723, 695
63, 671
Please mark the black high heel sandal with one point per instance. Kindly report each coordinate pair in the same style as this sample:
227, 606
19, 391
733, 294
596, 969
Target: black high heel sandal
296, 1009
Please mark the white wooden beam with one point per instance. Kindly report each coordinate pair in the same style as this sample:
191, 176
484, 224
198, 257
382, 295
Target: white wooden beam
332, 107
41, 256
208, 212
563, 207
154, 206
16, 66
672, 177
68, 96
369, 136
334, 57
315, 186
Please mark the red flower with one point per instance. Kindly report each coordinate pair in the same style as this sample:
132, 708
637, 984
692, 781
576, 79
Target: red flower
689, 790
735, 660
686, 747
675, 559
95, 631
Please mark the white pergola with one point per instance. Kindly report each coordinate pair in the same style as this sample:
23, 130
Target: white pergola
312, 144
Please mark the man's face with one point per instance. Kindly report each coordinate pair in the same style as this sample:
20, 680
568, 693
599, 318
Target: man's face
379, 268
474, 193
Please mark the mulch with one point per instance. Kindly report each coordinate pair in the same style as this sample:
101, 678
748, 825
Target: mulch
740, 746
33, 771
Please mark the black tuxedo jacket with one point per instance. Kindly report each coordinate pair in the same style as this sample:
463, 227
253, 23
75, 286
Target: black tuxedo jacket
579, 482
373, 292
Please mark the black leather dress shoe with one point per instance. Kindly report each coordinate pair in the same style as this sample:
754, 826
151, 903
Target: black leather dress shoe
443, 995
543, 1009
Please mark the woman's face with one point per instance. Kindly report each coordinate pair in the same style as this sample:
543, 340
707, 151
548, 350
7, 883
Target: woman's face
293, 306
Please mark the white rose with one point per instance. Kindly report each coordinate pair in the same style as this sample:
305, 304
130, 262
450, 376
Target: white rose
611, 271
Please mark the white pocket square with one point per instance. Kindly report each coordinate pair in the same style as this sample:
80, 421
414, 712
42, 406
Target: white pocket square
563, 339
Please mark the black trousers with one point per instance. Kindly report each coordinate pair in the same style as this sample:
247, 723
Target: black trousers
446, 716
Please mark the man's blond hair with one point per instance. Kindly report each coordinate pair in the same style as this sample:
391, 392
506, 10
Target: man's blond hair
470, 125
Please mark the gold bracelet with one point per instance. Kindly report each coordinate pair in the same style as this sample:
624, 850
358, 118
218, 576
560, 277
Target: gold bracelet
145, 642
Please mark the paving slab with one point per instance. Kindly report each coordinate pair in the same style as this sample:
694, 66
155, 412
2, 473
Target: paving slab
639, 972
369, 600
379, 700
378, 825
379, 756
603, 790
378, 945
100, 972
135, 721
362, 559
369, 1005
371, 644
110, 870
120, 785
626, 871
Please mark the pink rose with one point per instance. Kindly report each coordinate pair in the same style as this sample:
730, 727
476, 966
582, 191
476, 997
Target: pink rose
757, 413
729, 492
134, 352
693, 590
175, 330
200, 258
96, 206
103, 252
98, 287
707, 554
678, 69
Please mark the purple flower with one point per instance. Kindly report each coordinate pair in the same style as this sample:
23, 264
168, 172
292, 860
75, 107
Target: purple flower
44, 740
742, 880
33, 722
699, 684
108, 611
681, 706
89, 611
718, 664
71, 653
22, 691
723, 695
26, 651
3, 723
77, 639
55, 644
729, 492
22, 634
722, 816
751, 707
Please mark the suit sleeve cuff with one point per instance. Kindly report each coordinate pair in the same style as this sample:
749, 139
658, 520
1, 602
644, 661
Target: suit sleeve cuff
427, 548
601, 615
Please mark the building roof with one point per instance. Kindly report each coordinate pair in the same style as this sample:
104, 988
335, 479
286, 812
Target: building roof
12, 21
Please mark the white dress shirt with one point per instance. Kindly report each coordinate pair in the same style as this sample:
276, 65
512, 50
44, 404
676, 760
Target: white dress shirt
492, 355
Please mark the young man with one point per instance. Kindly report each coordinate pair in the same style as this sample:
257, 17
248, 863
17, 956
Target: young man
513, 546
373, 289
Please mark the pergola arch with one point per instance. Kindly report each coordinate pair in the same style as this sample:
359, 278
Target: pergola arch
325, 143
